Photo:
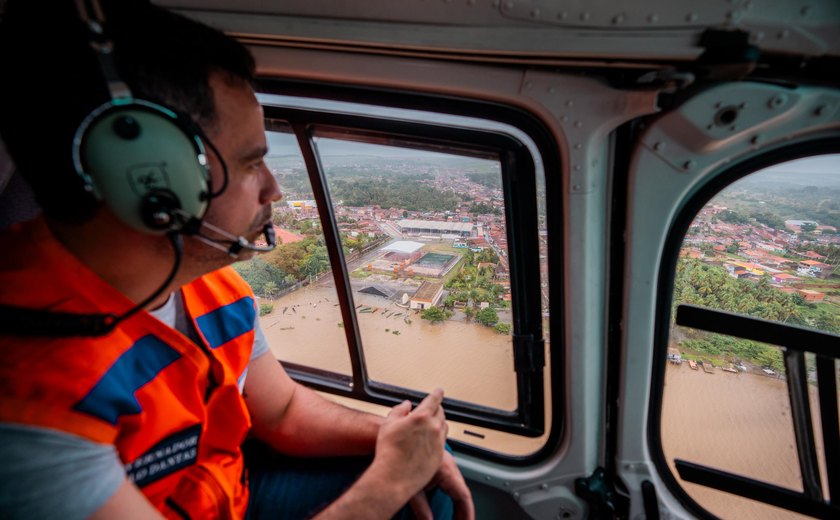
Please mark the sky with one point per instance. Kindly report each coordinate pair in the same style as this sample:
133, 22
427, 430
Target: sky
819, 164
285, 144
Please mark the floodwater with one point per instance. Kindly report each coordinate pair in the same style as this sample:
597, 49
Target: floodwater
418, 355
469, 361
739, 423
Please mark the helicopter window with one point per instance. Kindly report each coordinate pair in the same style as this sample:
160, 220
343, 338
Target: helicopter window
393, 271
750, 395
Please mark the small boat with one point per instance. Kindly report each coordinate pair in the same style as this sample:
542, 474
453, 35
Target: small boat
692, 364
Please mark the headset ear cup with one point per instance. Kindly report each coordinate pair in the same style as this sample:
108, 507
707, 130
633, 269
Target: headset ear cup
145, 162
158, 210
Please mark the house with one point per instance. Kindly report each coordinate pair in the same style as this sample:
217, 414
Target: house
427, 295
811, 296
815, 268
784, 278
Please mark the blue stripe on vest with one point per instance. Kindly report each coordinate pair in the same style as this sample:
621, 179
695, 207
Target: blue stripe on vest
228, 322
113, 396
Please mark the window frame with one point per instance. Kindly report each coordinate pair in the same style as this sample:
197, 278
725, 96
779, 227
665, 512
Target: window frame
749, 488
529, 417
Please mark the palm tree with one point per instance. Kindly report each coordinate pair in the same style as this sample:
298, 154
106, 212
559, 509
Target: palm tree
270, 289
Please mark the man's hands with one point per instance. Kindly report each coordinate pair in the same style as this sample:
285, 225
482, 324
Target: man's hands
412, 443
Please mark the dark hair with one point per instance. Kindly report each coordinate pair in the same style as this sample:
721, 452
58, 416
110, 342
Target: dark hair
52, 81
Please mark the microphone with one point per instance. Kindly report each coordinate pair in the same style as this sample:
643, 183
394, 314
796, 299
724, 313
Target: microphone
231, 244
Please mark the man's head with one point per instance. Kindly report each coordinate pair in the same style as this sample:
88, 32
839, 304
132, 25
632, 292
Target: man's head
53, 82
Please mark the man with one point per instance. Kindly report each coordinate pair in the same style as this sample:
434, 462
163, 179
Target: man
147, 419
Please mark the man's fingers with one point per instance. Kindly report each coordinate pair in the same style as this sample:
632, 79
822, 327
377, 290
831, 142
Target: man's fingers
401, 410
432, 401
420, 507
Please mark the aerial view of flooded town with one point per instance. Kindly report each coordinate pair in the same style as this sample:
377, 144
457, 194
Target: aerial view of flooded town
767, 246
425, 246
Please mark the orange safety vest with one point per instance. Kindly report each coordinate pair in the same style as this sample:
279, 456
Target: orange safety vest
172, 409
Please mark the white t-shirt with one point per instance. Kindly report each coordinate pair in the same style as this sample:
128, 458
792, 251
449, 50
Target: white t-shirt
47, 473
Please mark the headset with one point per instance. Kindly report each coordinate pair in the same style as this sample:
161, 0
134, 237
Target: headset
147, 162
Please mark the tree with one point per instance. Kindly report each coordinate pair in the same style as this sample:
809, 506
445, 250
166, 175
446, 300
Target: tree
434, 314
503, 328
487, 316
808, 227
270, 289
257, 272
487, 255
449, 302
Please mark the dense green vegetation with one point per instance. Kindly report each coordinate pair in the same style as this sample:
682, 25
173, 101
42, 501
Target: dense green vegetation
487, 316
435, 314
407, 193
710, 286
790, 198
490, 179
473, 285
261, 274
484, 209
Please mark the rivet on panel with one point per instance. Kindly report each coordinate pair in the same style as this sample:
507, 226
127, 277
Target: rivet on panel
508, 5
570, 103
718, 104
528, 84
777, 101
516, 496
562, 15
470, 2
821, 110
757, 139
535, 13
689, 165
576, 187
488, 478
617, 19
507, 484
805, 10
757, 37
659, 147
564, 118
709, 127
584, 16
653, 18
497, 3
784, 33
743, 105
543, 486
578, 124
552, 90
576, 168
691, 17
578, 146
733, 128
